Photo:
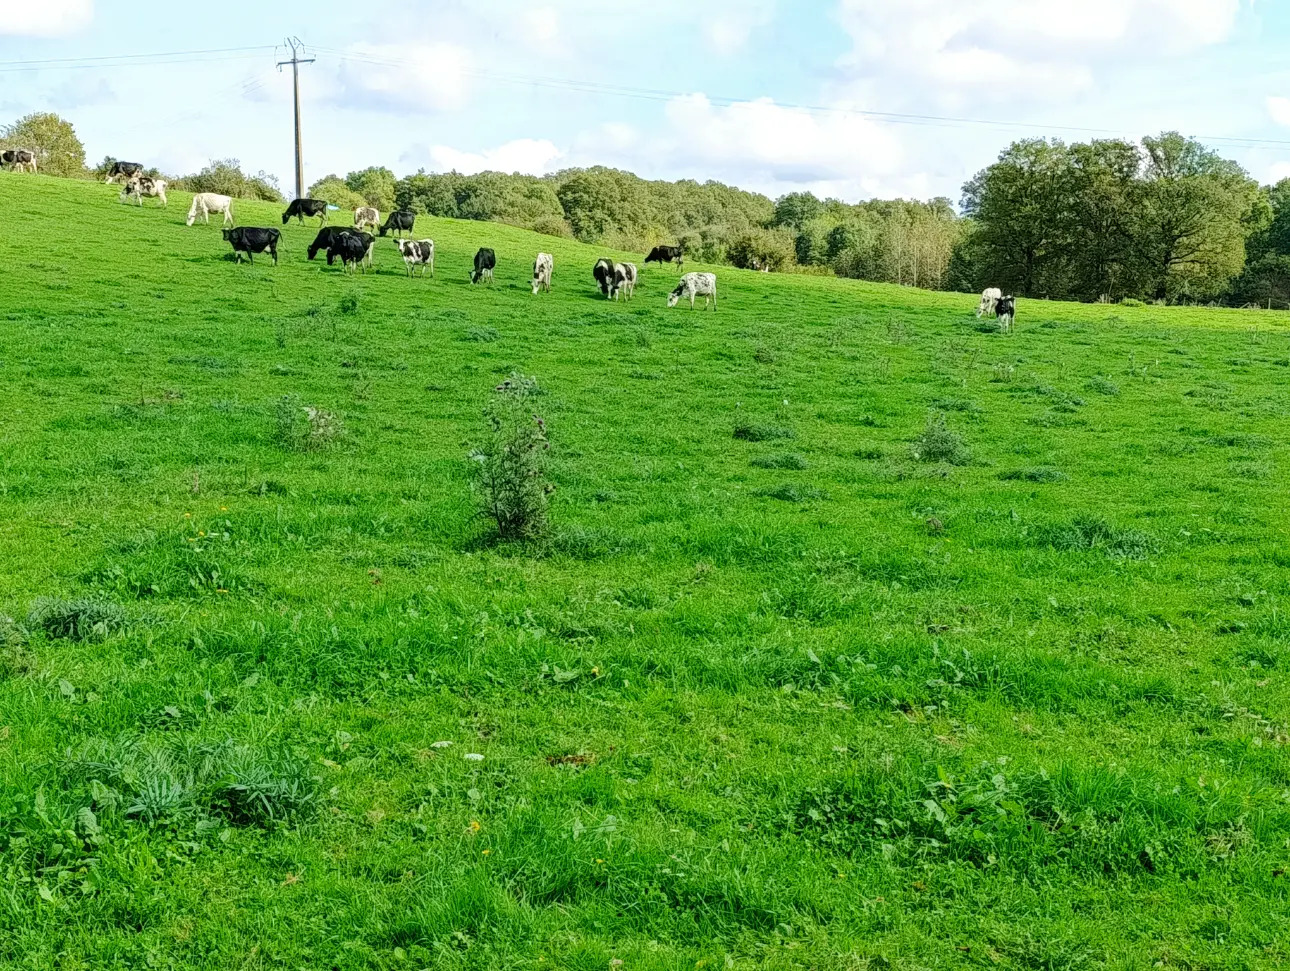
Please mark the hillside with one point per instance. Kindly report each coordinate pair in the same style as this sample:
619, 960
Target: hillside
797, 699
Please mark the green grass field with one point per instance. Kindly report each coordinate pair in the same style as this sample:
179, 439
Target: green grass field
800, 698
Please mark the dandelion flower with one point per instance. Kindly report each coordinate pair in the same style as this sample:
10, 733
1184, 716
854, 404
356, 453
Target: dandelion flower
486, 852
474, 826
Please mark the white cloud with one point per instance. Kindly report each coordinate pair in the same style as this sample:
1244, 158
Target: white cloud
44, 18
729, 27
1279, 110
527, 155
428, 77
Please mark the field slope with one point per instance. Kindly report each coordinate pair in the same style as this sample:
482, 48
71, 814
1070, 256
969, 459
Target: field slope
966, 651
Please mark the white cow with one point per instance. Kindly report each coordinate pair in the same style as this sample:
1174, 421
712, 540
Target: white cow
989, 302
694, 285
365, 217
543, 267
205, 203
625, 280
416, 252
141, 186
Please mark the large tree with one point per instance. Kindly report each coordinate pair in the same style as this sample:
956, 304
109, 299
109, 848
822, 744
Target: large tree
58, 150
375, 184
1101, 224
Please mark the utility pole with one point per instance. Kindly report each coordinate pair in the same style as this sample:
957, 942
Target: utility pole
297, 48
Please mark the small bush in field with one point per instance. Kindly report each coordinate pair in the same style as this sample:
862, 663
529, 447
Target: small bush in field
304, 427
511, 467
349, 304
939, 443
76, 620
753, 432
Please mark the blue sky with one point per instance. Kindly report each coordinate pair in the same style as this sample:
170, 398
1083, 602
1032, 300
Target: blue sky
771, 95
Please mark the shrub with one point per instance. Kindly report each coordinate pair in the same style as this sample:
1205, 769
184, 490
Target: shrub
58, 149
1095, 533
511, 467
791, 493
1131, 302
76, 620
349, 304
788, 461
762, 249
939, 443
1042, 474
1103, 385
481, 335
304, 427
753, 432
226, 177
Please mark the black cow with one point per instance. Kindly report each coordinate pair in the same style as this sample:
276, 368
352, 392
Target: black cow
666, 254
123, 170
485, 264
603, 271
324, 239
1006, 311
313, 208
18, 158
398, 221
351, 248
249, 240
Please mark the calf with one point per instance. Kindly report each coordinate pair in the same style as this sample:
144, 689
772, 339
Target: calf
18, 159
324, 239
126, 171
603, 272
205, 203
485, 264
989, 302
666, 254
313, 208
250, 240
399, 221
416, 252
1006, 308
351, 248
543, 267
696, 285
625, 279
141, 186
365, 217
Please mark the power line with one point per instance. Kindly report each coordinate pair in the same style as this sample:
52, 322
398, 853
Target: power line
88, 61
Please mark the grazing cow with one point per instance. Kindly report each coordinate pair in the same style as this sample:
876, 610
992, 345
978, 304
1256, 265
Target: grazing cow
603, 271
18, 159
1006, 308
125, 171
141, 186
485, 264
989, 302
398, 221
666, 254
365, 217
543, 267
353, 249
313, 208
696, 285
420, 251
324, 238
250, 240
205, 203
625, 279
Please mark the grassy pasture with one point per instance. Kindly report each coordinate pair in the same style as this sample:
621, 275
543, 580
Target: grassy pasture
865, 638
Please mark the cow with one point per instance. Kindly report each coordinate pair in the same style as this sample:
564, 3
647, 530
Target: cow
420, 251
1006, 309
251, 240
353, 249
696, 285
141, 186
543, 267
666, 254
313, 208
205, 203
398, 221
365, 217
324, 238
603, 272
126, 171
625, 279
485, 264
989, 301
18, 159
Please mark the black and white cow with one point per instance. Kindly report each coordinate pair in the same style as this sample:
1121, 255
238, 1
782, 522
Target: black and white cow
543, 267
694, 285
251, 240
324, 239
666, 254
313, 208
1006, 309
141, 186
625, 280
124, 171
399, 221
603, 272
18, 159
485, 264
353, 249
417, 252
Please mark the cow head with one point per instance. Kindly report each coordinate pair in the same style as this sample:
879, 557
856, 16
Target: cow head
674, 297
228, 234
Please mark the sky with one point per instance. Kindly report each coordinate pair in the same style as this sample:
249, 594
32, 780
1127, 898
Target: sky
852, 99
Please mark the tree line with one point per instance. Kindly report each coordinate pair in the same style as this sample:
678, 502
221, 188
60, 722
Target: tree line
1166, 219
